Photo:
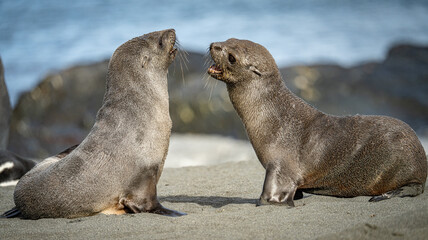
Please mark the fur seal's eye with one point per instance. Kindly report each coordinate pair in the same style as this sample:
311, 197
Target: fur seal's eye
160, 42
232, 59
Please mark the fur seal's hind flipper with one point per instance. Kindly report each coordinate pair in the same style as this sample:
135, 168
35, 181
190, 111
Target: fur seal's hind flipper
12, 213
410, 190
132, 207
385, 196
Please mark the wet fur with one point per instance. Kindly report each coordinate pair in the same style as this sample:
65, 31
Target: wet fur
304, 149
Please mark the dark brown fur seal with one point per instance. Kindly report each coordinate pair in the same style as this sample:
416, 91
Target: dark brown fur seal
303, 149
12, 166
5, 110
117, 166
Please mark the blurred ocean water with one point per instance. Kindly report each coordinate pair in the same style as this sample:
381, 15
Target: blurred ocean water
37, 37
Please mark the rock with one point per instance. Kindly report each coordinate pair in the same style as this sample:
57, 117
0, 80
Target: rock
60, 111
397, 87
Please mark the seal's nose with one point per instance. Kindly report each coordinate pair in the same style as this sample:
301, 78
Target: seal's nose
215, 47
167, 37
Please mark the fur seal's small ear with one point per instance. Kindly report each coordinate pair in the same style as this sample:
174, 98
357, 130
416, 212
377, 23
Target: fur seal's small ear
144, 61
255, 70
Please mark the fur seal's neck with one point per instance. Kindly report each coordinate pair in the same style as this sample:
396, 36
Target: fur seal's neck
134, 101
268, 96
268, 104
150, 83
139, 88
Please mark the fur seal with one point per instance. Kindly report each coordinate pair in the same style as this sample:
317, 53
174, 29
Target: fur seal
12, 166
115, 169
304, 149
5, 110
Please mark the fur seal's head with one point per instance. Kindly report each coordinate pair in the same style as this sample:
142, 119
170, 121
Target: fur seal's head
155, 50
240, 60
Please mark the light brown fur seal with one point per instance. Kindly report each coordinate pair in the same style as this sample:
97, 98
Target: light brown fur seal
117, 166
303, 149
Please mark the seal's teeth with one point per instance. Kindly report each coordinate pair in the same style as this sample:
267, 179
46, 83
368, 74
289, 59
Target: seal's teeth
214, 69
172, 50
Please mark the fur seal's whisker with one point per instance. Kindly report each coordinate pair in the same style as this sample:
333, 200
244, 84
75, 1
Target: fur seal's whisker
182, 73
185, 61
182, 59
211, 92
208, 60
174, 66
186, 55
183, 54
207, 80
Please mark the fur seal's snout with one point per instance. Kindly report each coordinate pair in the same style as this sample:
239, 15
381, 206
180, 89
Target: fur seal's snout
215, 70
303, 149
169, 39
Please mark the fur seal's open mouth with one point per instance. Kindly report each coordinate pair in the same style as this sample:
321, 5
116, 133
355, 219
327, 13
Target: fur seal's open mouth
173, 50
169, 39
215, 71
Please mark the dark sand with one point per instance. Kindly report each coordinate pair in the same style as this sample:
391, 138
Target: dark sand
220, 203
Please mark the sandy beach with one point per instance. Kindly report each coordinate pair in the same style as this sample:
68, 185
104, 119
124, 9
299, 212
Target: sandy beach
220, 204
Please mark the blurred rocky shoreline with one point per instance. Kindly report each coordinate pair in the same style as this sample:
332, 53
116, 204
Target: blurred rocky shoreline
61, 109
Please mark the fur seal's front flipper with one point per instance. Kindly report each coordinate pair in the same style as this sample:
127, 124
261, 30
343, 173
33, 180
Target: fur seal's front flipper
410, 190
149, 207
277, 188
145, 198
12, 213
167, 212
